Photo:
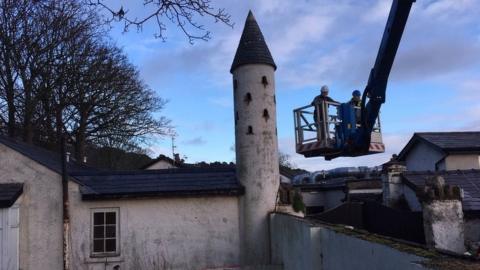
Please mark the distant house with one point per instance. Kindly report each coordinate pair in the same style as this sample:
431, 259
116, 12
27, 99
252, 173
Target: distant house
452, 157
162, 162
436, 151
330, 193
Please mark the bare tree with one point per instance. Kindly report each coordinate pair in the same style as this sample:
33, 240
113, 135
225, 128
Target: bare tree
285, 160
59, 74
181, 13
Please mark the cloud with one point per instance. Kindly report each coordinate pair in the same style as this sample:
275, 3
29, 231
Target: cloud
204, 126
156, 150
437, 57
379, 12
331, 42
195, 141
444, 8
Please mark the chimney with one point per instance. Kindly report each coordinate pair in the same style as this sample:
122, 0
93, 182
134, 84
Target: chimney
392, 182
442, 215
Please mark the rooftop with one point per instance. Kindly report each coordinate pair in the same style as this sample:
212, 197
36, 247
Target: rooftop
159, 183
98, 184
467, 180
252, 48
43, 156
9, 193
447, 142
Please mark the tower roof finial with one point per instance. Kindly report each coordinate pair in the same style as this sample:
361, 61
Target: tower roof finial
252, 48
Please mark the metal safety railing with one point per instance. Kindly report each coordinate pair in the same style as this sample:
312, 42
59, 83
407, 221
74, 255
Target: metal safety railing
316, 123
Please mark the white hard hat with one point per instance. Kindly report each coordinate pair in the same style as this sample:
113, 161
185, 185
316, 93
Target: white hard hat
324, 89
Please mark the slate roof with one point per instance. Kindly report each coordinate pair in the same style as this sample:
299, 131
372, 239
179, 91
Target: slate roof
9, 193
98, 184
341, 183
252, 48
159, 183
447, 142
467, 180
45, 157
327, 184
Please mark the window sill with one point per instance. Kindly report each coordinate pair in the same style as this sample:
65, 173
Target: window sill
104, 258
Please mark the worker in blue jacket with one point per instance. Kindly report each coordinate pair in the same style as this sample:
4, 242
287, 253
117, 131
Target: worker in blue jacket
356, 99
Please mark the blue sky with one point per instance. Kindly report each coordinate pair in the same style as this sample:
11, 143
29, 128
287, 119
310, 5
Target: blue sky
434, 84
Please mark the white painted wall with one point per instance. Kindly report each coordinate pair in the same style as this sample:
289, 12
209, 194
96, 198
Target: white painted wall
300, 244
161, 164
462, 162
327, 198
179, 233
41, 226
256, 158
313, 198
422, 157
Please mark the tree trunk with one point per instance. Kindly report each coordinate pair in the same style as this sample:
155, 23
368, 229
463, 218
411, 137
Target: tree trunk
10, 94
27, 118
80, 144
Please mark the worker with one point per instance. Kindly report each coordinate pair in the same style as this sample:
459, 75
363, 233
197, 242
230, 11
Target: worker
319, 102
356, 98
356, 101
322, 97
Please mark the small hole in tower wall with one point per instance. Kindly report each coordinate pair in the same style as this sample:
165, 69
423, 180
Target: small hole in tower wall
236, 117
248, 98
250, 130
266, 115
274, 100
264, 81
235, 84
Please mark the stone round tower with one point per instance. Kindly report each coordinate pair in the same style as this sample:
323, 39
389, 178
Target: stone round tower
256, 146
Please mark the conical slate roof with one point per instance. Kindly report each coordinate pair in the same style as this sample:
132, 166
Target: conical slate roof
252, 48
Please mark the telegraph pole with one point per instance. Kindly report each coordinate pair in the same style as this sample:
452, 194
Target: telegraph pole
65, 208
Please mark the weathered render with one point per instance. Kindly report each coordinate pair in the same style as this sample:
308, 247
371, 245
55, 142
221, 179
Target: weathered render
302, 244
161, 233
41, 229
444, 226
393, 188
255, 141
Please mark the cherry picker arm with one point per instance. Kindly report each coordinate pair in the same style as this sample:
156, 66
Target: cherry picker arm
346, 134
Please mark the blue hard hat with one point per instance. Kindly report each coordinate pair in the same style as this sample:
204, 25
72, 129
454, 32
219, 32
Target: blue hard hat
356, 93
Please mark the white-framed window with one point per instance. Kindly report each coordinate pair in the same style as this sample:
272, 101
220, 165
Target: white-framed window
105, 232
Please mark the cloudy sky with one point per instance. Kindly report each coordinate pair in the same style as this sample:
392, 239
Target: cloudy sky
434, 84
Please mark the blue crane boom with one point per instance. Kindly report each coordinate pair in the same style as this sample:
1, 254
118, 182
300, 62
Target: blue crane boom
377, 82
